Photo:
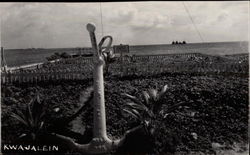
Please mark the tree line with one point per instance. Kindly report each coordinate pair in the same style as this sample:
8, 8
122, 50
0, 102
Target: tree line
177, 42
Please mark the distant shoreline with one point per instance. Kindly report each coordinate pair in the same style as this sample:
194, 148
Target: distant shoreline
20, 57
41, 63
55, 48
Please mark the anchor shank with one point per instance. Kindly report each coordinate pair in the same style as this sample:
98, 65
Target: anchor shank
99, 129
99, 103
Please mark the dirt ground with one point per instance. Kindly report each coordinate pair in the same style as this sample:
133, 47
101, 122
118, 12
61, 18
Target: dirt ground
219, 105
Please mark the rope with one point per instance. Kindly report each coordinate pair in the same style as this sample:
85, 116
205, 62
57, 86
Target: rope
101, 17
193, 22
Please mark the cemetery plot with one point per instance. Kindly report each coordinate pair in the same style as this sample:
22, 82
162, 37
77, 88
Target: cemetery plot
214, 91
81, 68
214, 104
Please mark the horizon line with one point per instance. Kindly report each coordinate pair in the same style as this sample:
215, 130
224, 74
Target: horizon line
124, 44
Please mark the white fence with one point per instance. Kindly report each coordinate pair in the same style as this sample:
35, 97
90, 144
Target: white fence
81, 68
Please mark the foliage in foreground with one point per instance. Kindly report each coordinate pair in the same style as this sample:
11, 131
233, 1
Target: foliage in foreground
32, 117
147, 110
219, 102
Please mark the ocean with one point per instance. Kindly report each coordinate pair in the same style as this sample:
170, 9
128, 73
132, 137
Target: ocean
17, 57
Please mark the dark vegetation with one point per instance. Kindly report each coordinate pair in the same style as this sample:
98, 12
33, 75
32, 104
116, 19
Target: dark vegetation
57, 55
65, 55
176, 42
212, 109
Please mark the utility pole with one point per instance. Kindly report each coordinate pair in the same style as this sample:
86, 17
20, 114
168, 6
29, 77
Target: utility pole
3, 62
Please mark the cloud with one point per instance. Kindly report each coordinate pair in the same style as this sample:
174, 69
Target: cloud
25, 25
117, 13
45, 25
222, 17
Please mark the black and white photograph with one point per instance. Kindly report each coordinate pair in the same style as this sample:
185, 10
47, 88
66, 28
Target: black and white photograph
125, 78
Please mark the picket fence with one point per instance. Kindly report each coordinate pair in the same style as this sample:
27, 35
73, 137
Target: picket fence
205, 68
126, 66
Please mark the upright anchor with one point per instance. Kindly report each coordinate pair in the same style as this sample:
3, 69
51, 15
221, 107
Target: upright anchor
100, 143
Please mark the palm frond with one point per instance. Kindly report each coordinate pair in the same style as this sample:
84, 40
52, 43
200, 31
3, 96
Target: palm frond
136, 106
133, 98
41, 125
36, 105
20, 113
146, 97
37, 99
38, 117
22, 135
163, 91
153, 93
176, 106
30, 115
20, 119
134, 113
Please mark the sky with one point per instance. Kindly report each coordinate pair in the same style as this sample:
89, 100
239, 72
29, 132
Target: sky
61, 25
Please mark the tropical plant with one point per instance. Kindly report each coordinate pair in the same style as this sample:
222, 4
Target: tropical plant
109, 57
147, 109
32, 117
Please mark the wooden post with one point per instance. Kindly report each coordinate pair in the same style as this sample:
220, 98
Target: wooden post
121, 57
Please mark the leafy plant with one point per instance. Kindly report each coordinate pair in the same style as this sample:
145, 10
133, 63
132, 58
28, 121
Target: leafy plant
147, 109
32, 117
109, 57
